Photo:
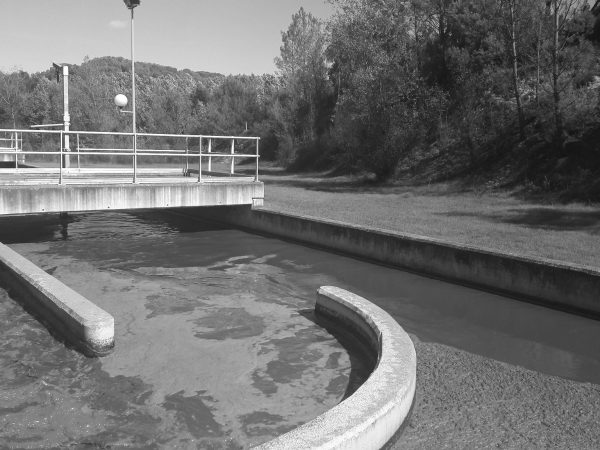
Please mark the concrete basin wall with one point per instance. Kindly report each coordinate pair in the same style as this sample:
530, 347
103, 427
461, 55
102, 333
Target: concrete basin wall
374, 413
65, 313
556, 284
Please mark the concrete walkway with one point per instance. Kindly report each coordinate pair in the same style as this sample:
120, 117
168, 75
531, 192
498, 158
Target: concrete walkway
34, 191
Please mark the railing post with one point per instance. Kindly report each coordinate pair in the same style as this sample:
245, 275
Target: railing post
60, 160
200, 161
209, 157
78, 163
134, 155
256, 175
187, 151
232, 170
16, 150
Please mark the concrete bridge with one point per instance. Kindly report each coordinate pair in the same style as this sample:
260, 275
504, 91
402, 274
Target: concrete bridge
40, 174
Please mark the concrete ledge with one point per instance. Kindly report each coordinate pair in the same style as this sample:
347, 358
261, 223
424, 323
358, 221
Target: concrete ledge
569, 287
46, 198
65, 312
369, 417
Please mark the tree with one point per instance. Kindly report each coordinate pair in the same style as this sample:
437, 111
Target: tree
567, 48
384, 105
12, 95
303, 69
36, 107
512, 19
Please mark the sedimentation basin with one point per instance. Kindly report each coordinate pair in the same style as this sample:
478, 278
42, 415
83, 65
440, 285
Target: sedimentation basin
192, 365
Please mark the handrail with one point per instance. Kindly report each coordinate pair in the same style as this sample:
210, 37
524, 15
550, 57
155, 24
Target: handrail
125, 133
65, 153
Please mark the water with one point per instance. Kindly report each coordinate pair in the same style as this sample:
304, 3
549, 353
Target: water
215, 343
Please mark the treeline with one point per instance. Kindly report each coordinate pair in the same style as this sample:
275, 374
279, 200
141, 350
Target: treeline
440, 88
428, 88
167, 100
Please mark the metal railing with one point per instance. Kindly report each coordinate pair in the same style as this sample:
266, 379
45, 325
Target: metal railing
12, 145
87, 146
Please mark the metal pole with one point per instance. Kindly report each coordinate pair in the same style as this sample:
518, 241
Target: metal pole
232, 158
78, 162
187, 158
200, 160
256, 175
60, 160
210, 157
16, 149
66, 115
133, 100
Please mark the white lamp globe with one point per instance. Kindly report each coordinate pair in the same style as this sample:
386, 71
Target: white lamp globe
120, 100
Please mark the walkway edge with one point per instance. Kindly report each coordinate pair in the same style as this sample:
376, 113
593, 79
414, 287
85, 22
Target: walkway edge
374, 413
64, 312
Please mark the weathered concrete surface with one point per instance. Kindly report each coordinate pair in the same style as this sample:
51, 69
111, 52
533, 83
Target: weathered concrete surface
465, 400
564, 286
370, 416
30, 199
64, 311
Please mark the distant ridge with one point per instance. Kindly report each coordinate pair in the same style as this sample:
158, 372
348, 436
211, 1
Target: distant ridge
116, 64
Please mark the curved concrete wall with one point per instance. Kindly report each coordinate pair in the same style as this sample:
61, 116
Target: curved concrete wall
556, 284
64, 311
372, 415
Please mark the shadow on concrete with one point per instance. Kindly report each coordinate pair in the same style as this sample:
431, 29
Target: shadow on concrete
557, 219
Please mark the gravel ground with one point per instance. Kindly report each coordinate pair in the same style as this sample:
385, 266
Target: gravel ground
469, 401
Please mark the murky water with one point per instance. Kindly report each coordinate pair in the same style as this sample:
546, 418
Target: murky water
215, 344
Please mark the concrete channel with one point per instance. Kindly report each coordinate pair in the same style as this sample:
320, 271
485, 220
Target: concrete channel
568, 287
372, 415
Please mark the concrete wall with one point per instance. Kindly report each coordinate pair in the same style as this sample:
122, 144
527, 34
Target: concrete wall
65, 313
551, 283
25, 199
374, 413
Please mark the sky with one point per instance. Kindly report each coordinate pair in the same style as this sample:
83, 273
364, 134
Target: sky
225, 36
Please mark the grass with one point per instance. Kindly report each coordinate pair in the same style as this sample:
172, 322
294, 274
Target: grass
490, 219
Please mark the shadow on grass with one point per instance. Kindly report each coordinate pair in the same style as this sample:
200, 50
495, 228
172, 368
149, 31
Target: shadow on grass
557, 219
348, 185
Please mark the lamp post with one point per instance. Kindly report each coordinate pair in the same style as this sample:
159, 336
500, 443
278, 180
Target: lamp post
64, 68
131, 4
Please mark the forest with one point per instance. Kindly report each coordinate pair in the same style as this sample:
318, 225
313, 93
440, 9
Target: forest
496, 93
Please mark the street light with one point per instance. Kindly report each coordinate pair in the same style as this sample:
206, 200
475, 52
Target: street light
121, 102
131, 4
